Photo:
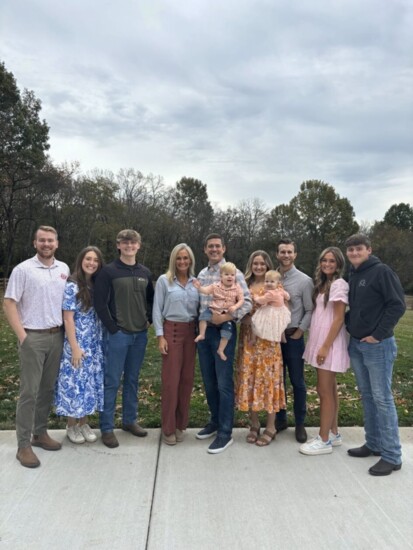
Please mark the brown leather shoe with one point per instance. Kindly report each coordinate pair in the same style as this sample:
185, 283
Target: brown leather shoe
46, 442
27, 458
109, 439
134, 429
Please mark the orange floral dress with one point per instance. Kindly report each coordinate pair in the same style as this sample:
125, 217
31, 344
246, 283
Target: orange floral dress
259, 372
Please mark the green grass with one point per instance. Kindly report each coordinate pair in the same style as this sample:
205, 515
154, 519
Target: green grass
150, 386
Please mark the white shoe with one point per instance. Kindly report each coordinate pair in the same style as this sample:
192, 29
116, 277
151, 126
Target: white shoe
316, 447
336, 439
74, 434
88, 433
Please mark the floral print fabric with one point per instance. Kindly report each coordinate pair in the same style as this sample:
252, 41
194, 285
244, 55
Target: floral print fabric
79, 391
259, 373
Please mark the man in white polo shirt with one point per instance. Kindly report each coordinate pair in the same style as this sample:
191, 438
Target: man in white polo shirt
33, 307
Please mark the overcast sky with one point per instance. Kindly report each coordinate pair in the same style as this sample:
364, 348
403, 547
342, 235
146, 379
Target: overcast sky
252, 97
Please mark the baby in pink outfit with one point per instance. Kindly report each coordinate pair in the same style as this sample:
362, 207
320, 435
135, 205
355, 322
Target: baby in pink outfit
273, 317
227, 298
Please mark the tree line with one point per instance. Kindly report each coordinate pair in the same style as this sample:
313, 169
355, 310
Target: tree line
91, 208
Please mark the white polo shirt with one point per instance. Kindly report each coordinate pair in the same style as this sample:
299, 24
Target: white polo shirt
38, 291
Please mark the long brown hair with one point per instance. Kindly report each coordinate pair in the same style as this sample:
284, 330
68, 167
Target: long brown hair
249, 275
321, 282
84, 294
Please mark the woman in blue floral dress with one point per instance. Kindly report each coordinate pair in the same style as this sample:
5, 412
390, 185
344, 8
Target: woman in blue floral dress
79, 389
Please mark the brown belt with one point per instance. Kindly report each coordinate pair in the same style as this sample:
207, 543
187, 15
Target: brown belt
290, 331
52, 330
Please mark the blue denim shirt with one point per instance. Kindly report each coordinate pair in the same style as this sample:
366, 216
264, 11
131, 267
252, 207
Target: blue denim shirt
174, 302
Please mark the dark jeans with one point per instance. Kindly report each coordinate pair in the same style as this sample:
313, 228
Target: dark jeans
226, 329
292, 352
124, 356
218, 379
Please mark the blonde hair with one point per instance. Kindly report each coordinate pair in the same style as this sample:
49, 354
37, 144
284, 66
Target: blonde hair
273, 273
170, 274
228, 267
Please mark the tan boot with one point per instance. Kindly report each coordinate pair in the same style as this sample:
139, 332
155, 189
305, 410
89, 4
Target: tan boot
46, 442
169, 439
27, 458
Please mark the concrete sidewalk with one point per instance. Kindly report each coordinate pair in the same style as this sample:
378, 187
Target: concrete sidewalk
145, 495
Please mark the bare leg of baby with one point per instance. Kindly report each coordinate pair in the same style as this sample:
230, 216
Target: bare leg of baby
202, 331
221, 348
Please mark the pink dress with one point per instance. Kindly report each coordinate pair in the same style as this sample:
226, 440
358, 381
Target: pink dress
272, 318
337, 359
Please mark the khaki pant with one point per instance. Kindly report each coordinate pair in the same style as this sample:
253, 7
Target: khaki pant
39, 356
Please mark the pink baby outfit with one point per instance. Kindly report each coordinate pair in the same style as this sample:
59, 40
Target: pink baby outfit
272, 318
337, 359
224, 297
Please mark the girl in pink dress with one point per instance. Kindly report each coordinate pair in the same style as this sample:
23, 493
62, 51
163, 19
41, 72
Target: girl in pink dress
326, 348
272, 318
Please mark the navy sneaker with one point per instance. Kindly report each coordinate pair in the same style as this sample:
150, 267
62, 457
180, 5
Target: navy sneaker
206, 432
219, 444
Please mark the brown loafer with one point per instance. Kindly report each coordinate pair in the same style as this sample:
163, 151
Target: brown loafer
27, 458
134, 429
180, 435
109, 439
46, 442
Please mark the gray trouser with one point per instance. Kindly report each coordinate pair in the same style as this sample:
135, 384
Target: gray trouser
40, 356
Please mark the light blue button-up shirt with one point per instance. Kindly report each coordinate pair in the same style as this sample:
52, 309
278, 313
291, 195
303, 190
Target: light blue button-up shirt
300, 288
174, 302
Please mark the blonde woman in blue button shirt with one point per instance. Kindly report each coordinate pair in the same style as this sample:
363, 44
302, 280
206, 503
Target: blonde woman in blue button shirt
175, 313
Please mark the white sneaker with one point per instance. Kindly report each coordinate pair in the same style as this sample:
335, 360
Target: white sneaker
336, 439
88, 433
316, 447
74, 434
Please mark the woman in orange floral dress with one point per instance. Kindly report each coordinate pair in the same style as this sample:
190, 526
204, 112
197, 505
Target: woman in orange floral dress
259, 372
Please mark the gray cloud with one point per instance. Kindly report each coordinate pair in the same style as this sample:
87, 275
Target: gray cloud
249, 96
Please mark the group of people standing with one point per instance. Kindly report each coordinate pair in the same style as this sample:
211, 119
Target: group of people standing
107, 310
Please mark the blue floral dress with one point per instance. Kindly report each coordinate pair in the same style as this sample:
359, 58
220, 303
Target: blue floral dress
79, 391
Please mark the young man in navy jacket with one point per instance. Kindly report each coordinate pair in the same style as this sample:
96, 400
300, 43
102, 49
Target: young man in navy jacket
376, 301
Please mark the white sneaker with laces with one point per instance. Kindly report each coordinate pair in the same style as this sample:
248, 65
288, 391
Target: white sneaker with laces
336, 439
316, 447
74, 434
88, 433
